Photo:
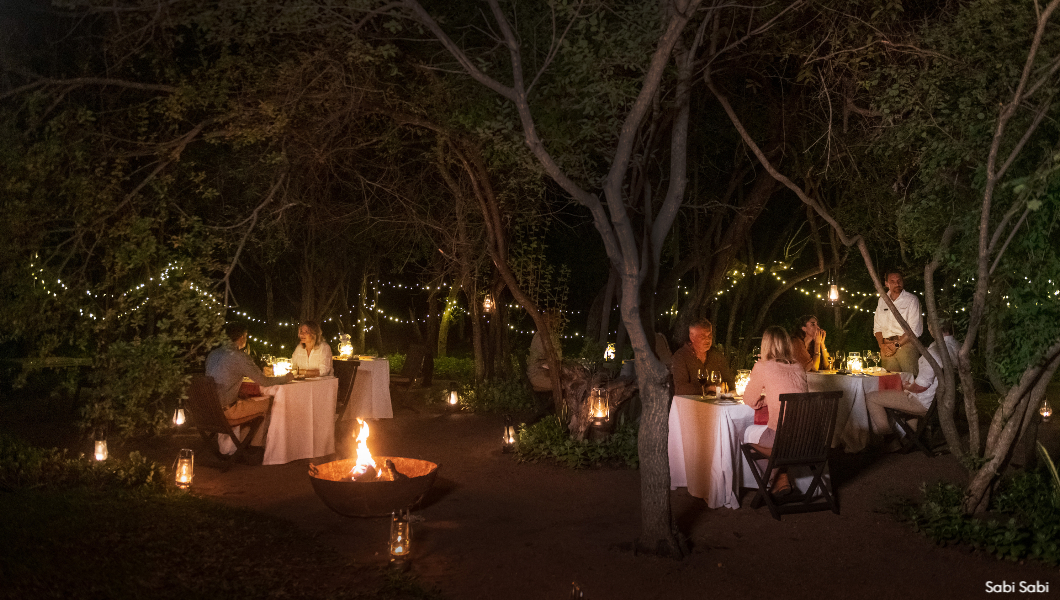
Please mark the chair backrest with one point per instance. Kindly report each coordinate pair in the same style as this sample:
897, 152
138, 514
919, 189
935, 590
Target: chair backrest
804, 427
346, 371
413, 366
203, 406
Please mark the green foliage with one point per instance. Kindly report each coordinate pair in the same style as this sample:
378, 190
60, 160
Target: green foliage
1025, 522
452, 367
504, 395
549, 438
25, 467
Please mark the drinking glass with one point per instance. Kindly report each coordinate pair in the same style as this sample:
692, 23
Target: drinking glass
839, 356
703, 376
715, 380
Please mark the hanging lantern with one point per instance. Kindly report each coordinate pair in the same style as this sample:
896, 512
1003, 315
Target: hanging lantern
833, 290
185, 470
1045, 411
487, 304
100, 447
400, 537
179, 417
609, 354
743, 376
509, 436
598, 408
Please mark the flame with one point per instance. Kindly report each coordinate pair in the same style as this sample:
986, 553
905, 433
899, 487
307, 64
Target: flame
365, 466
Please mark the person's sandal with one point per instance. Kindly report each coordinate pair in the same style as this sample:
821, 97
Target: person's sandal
782, 485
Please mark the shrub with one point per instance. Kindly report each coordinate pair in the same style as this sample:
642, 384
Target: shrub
549, 438
25, 467
503, 395
452, 367
1028, 523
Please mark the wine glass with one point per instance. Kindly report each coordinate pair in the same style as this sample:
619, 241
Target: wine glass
830, 361
703, 377
839, 356
715, 380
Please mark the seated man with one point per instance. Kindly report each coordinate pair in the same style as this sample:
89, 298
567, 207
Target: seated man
916, 397
695, 355
228, 365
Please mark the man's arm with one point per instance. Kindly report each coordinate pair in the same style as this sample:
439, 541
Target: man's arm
911, 313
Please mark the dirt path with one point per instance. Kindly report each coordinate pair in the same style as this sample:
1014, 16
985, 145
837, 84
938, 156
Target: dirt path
496, 528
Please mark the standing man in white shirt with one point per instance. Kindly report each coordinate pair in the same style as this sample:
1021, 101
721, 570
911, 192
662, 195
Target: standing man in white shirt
896, 346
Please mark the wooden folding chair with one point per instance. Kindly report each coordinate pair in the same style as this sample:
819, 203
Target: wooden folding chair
209, 419
923, 434
419, 365
804, 437
346, 371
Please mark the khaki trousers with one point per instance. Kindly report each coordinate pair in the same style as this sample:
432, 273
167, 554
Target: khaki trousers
905, 360
251, 407
875, 402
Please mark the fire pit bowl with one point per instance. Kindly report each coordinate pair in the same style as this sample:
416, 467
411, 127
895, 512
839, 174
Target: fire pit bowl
331, 481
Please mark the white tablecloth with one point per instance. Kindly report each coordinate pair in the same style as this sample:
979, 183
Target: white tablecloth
371, 392
704, 449
301, 423
852, 427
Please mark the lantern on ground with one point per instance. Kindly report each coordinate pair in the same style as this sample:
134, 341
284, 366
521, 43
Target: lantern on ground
452, 400
1045, 411
400, 537
179, 417
598, 408
99, 447
609, 353
487, 304
185, 470
743, 376
509, 436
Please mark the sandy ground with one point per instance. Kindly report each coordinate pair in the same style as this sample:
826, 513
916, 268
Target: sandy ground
493, 527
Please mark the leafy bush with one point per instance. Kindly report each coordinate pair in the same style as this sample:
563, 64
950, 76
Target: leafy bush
25, 467
549, 438
397, 362
504, 395
1028, 527
452, 367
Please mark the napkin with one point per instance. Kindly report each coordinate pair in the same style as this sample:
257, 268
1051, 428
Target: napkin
249, 389
891, 382
762, 415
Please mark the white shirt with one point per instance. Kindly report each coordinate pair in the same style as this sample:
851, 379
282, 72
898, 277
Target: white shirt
926, 375
908, 306
320, 358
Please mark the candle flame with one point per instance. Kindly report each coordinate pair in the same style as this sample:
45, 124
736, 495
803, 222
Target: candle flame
365, 465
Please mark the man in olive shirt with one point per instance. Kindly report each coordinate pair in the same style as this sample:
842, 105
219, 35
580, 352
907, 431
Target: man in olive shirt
697, 354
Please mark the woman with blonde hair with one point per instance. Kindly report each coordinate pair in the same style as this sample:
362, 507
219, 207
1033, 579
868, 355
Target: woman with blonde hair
312, 354
777, 372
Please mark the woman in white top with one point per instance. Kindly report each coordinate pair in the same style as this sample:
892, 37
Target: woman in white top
313, 354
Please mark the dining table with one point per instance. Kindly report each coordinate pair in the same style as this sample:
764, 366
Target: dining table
370, 397
704, 448
852, 427
301, 422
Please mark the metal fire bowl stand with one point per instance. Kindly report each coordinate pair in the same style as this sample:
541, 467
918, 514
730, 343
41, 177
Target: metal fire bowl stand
371, 498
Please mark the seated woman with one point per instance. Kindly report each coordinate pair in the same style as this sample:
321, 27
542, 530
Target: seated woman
808, 346
313, 354
774, 374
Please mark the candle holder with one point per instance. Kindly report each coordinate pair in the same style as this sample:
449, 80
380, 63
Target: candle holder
185, 470
400, 539
179, 417
743, 377
1045, 411
452, 400
99, 446
510, 437
599, 410
854, 362
487, 305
